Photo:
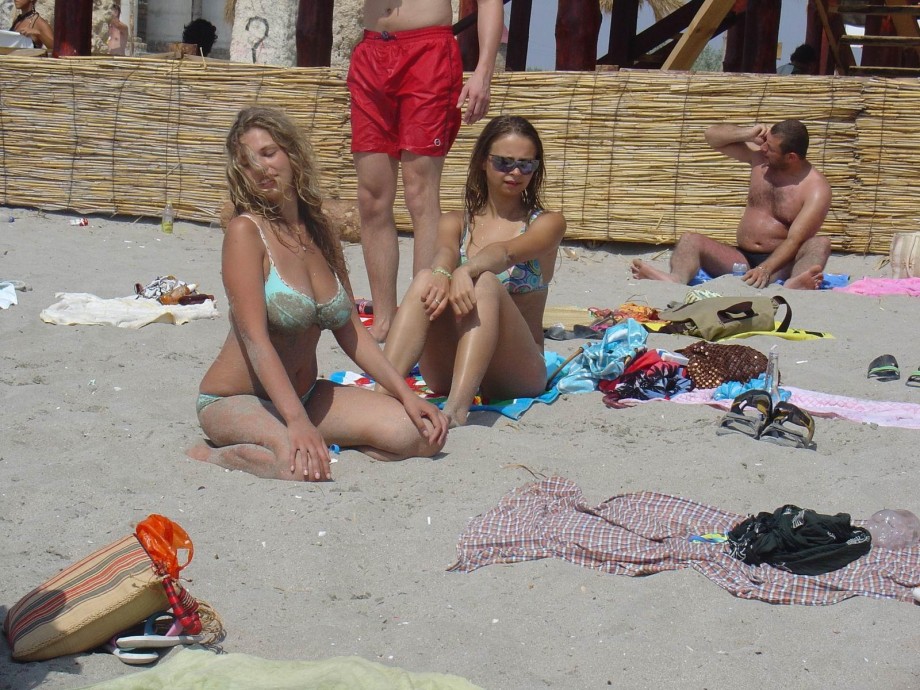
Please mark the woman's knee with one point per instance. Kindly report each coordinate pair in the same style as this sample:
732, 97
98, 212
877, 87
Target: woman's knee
487, 284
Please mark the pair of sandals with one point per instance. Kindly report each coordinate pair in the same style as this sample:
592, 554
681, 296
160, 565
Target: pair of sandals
753, 414
161, 630
885, 368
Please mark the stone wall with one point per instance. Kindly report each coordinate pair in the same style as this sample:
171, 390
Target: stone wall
263, 31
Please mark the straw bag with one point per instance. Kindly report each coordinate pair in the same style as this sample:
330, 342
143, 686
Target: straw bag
905, 255
105, 593
720, 317
712, 364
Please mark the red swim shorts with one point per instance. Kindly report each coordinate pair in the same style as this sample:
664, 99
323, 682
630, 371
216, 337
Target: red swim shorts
404, 89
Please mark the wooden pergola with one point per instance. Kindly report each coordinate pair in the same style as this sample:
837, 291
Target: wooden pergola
891, 41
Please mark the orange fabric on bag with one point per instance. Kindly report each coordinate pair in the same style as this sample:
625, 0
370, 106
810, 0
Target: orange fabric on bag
162, 538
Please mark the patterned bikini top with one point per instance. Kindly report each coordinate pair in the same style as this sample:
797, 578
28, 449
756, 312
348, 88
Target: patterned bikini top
521, 278
292, 311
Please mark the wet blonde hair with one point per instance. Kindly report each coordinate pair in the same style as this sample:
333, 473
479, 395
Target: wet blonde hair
247, 197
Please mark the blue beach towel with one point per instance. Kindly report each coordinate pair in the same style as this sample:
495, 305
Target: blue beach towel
831, 280
513, 409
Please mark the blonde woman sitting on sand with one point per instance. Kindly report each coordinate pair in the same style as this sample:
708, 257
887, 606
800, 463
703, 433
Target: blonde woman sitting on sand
261, 403
474, 320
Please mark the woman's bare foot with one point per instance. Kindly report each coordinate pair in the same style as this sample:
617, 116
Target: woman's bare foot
246, 457
456, 417
201, 451
645, 271
807, 280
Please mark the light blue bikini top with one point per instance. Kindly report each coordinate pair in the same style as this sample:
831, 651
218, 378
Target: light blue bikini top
520, 278
292, 311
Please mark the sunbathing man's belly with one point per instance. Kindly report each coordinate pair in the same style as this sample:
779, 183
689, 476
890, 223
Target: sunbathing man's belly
759, 231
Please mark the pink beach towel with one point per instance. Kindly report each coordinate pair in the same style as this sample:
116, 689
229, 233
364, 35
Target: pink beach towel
883, 413
881, 287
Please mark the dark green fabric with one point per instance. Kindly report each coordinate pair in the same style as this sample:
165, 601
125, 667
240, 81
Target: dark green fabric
799, 540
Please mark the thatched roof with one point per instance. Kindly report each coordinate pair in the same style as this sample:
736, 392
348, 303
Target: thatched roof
661, 8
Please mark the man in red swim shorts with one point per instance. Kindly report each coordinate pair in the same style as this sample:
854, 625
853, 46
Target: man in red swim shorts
406, 85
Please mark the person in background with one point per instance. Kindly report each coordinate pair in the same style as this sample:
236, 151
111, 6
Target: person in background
202, 33
118, 33
804, 60
31, 24
262, 403
777, 236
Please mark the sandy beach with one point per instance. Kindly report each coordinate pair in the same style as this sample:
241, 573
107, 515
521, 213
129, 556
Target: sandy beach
97, 419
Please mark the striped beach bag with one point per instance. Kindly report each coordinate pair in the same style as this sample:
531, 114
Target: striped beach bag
112, 589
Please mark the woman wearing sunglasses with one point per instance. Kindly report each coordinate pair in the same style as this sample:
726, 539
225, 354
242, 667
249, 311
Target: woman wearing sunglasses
474, 320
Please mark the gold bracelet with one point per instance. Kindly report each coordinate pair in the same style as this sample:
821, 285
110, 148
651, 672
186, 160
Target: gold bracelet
443, 272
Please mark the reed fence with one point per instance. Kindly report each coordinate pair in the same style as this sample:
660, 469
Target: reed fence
625, 154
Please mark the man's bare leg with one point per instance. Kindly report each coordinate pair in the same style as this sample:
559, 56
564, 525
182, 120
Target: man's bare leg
807, 272
379, 242
422, 187
693, 251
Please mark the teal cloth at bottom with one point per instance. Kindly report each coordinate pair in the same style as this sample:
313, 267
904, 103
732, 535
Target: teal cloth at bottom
199, 669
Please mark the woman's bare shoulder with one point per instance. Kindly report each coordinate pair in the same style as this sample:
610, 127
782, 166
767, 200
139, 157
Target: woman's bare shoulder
552, 219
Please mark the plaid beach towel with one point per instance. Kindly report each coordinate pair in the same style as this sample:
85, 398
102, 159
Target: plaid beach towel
644, 533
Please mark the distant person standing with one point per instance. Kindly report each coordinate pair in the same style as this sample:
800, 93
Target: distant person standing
804, 60
118, 33
31, 24
202, 33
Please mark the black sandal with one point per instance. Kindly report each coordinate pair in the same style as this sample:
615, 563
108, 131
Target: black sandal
791, 426
884, 368
749, 414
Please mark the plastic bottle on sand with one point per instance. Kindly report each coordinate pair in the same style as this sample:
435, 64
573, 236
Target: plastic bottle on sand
166, 225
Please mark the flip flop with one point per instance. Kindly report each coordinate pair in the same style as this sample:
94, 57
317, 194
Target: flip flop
791, 426
130, 657
914, 379
884, 368
151, 639
749, 414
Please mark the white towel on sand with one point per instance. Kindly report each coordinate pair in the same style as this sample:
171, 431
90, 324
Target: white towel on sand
82, 308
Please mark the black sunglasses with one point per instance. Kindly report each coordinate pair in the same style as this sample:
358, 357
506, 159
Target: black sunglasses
503, 164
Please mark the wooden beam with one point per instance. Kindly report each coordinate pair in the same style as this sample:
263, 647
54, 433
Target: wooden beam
697, 35
518, 36
761, 33
623, 21
469, 37
73, 28
578, 23
905, 24
833, 28
668, 28
313, 33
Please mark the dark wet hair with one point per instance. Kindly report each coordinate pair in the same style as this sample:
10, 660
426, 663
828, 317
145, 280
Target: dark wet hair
477, 192
805, 54
793, 136
246, 197
202, 33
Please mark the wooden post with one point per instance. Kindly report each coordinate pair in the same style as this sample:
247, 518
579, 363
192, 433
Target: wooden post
518, 36
814, 36
469, 37
578, 23
73, 28
313, 33
761, 34
734, 47
623, 21
707, 20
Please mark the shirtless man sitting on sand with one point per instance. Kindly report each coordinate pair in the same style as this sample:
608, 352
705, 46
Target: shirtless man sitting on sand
787, 202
